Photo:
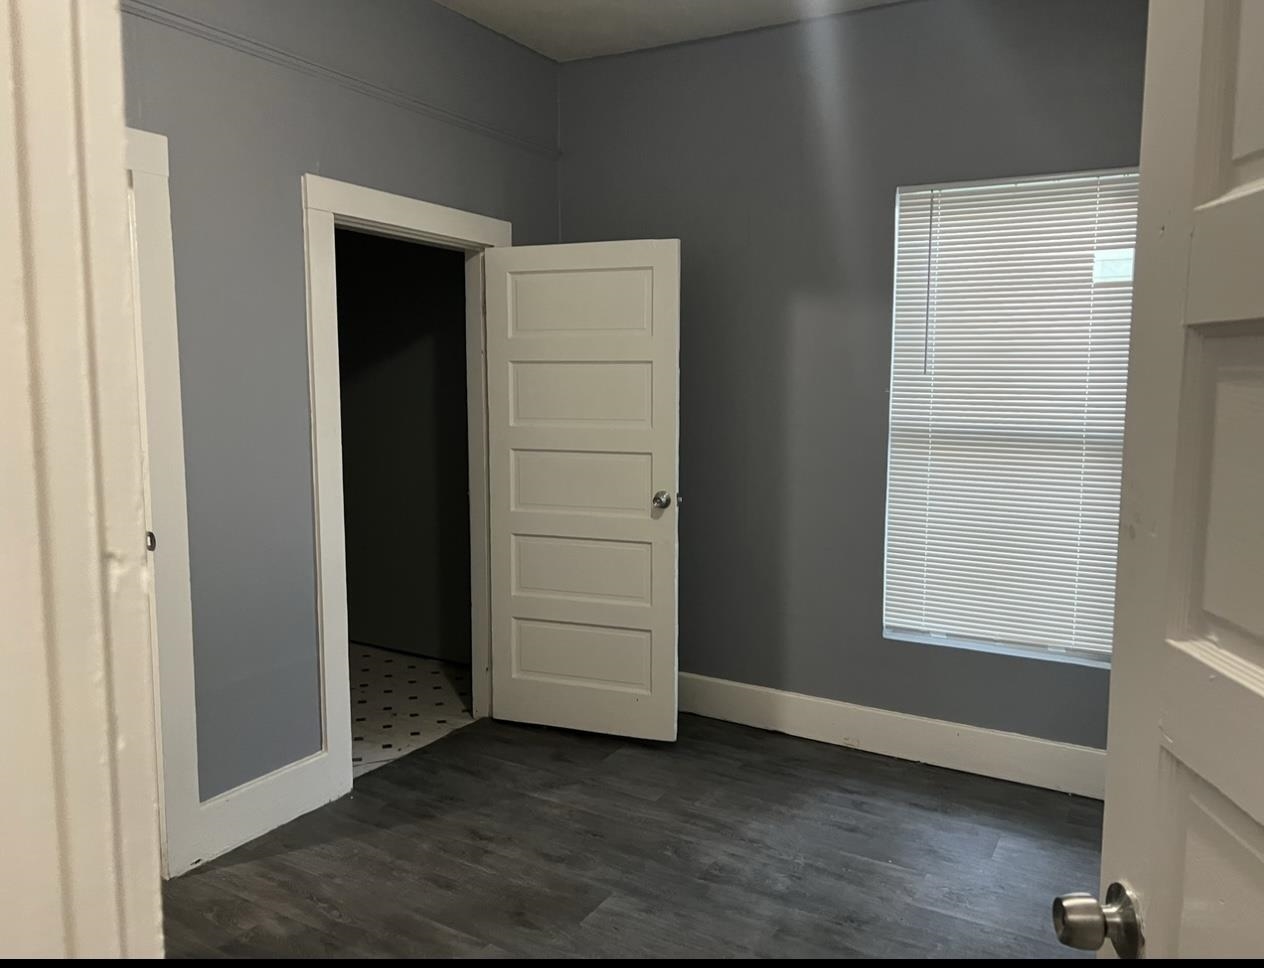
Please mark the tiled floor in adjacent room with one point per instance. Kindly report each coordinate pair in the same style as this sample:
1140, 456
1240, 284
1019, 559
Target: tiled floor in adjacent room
402, 702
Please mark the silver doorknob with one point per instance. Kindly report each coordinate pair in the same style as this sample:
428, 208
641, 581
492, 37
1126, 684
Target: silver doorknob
662, 499
1081, 921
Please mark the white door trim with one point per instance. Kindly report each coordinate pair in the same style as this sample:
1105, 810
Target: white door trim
328, 204
971, 749
197, 831
193, 830
162, 447
79, 817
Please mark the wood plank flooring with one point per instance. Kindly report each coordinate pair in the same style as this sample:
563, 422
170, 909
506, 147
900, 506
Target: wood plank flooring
506, 840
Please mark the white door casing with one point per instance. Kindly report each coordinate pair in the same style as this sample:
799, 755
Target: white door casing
1184, 819
193, 830
328, 205
647, 274
198, 830
582, 358
166, 507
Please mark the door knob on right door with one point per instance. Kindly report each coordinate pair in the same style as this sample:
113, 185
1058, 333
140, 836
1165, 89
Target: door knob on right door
1081, 921
662, 499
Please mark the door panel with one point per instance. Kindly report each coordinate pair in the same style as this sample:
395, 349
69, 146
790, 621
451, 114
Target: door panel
583, 300
581, 394
582, 363
580, 482
581, 568
1222, 869
1185, 795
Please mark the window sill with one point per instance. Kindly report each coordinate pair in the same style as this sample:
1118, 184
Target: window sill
1022, 652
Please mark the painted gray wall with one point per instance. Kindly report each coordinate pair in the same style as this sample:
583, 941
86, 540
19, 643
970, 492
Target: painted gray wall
394, 94
775, 155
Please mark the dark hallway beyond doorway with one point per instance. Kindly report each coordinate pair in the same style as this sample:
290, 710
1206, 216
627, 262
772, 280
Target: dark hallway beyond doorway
401, 339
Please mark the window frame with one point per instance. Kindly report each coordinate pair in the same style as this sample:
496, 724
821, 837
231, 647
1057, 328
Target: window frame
1037, 652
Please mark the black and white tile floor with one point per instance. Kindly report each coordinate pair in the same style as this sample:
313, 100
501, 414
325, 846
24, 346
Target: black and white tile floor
401, 702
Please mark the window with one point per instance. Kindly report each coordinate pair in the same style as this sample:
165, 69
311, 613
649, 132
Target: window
1008, 371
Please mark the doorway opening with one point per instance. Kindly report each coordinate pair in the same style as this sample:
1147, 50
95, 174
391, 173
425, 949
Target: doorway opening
328, 207
406, 501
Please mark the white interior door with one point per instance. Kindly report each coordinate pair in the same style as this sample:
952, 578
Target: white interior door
582, 364
1185, 785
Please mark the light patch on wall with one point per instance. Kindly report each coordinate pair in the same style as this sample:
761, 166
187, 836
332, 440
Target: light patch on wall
1112, 265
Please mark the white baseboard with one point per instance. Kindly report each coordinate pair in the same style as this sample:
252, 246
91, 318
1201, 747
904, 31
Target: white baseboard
238, 816
987, 752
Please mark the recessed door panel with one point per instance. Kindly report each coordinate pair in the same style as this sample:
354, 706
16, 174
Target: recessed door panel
581, 568
582, 300
575, 656
581, 482
575, 393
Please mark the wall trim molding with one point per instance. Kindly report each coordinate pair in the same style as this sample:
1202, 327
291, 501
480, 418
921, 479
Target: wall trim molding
151, 11
971, 749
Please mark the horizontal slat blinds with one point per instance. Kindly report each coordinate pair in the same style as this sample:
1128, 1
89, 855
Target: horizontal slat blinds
1009, 363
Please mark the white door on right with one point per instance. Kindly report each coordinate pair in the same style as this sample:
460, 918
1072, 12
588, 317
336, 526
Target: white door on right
583, 343
1184, 823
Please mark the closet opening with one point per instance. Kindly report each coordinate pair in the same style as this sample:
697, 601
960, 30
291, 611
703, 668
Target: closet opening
405, 461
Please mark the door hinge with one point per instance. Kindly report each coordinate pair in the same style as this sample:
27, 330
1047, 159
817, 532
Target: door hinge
151, 541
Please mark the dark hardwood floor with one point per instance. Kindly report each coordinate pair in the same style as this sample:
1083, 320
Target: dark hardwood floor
516, 840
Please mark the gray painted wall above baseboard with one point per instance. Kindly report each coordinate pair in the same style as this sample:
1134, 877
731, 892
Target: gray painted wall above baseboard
774, 156
402, 96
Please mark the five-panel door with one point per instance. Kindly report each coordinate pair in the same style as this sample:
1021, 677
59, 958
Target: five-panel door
582, 365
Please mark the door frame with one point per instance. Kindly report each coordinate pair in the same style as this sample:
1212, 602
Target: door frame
328, 205
158, 391
193, 830
79, 821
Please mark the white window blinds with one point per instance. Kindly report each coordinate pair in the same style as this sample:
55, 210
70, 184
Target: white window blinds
1009, 364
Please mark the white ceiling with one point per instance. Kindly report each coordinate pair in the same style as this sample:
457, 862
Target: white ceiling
568, 30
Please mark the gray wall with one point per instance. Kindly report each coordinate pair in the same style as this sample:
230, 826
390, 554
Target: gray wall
775, 155
394, 94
